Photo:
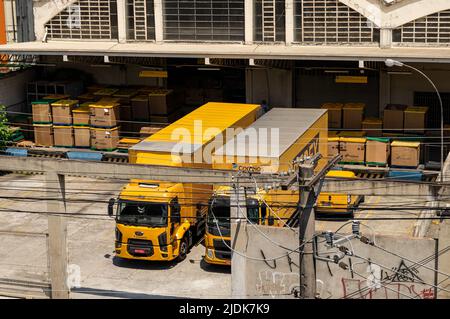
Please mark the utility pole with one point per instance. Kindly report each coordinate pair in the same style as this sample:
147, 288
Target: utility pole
238, 212
57, 235
310, 185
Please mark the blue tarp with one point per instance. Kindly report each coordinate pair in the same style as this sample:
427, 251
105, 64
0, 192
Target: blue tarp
12, 151
406, 175
85, 156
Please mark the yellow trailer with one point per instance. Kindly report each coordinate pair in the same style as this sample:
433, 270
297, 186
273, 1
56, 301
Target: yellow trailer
298, 133
156, 220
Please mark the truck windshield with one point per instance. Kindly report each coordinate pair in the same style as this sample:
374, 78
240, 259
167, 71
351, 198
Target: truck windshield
143, 213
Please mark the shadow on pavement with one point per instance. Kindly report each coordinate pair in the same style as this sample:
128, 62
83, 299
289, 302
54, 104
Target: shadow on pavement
142, 264
215, 268
120, 294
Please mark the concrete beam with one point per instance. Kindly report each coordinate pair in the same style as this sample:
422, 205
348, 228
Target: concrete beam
249, 21
230, 51
57, 237
159, 24
122, 21
396, 15
289, 21
126, 171
238, 239
376, 187
44, 10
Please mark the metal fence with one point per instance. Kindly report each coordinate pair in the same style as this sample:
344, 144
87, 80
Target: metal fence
204, 20
331, 22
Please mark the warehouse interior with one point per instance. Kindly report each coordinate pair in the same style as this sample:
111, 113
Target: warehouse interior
278, 83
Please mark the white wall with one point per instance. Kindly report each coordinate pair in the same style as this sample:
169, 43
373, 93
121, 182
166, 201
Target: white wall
272, 85
13, 89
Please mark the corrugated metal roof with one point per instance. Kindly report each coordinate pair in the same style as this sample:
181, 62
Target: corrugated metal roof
291, 123
213, 116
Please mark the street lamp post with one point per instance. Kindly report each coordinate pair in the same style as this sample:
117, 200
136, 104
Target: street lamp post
390, 63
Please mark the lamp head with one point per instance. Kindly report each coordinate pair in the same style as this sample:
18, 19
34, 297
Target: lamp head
390, 63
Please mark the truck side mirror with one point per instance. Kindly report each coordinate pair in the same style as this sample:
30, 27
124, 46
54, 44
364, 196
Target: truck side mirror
111, 203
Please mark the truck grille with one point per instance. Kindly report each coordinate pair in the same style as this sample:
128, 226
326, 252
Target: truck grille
140, 247
221, 250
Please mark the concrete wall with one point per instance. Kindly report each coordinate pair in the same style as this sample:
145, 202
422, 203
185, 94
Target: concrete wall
269, 279
13, 89
401, 87
381, 278
385, 276
272, 85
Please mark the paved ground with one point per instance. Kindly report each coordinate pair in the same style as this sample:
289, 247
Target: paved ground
91, 243
368, 210
91, 247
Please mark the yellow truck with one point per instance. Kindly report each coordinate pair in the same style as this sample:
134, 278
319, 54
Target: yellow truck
301, 133
157, 220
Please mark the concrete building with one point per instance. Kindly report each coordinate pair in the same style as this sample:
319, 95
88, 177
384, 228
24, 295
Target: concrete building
288, 53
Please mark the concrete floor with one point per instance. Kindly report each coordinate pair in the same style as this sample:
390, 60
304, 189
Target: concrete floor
366, 210
91, 244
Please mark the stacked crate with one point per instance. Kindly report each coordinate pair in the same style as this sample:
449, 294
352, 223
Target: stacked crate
104, 120
81, 125
63, 123
43, 119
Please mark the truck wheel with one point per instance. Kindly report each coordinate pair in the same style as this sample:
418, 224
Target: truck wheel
183, 249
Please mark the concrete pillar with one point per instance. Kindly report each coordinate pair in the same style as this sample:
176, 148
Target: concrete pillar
122, 21
159, 23
57, 236
385, 38
249, 21
290, 23
238, 242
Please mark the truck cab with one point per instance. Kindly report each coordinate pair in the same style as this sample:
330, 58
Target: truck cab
153, 221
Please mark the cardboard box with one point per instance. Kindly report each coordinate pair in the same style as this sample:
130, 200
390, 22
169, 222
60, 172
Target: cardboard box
62, 111
63, 135
333, 144
43, 134
405, 154
377, 151
105, 139
87, 97
353, 114
140, 108
393, 117
415, 119
104, 114
161, 102
352, 149
105, 92
334, 114
147, 131
125, 95
373, 126
82, 136
42, 111
81, 114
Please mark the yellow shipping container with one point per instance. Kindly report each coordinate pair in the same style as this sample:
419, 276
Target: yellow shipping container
282, 135
191, 135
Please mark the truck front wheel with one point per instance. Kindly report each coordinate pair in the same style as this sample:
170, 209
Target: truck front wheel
183, 249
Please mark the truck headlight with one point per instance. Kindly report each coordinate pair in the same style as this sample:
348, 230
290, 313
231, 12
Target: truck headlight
162, 241
209, 253
349, 199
